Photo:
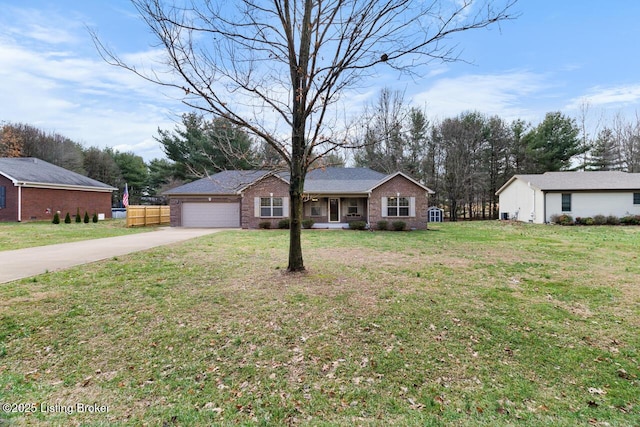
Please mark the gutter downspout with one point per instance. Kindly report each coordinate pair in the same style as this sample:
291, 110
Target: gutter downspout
532, 215
369, 210
19, 203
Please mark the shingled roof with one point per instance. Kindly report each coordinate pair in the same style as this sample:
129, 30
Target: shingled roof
33, 172
229, 182
342, 180
319, 181
580, 181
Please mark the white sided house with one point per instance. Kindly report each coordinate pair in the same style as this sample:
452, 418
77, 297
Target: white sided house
536, 198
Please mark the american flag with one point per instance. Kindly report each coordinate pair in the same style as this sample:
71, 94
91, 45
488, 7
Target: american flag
125, 196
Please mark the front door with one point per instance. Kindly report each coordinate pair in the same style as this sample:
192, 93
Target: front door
334, 210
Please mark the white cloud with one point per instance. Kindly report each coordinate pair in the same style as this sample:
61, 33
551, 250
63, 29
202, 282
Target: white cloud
36, 25
493, 94
47, 82
606, 97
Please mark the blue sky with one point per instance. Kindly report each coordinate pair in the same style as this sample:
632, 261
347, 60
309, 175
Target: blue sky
557, 56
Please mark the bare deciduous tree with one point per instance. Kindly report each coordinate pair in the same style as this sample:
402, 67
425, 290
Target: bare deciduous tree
279, 67
627, 135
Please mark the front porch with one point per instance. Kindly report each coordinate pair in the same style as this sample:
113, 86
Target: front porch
330, 225
329, 211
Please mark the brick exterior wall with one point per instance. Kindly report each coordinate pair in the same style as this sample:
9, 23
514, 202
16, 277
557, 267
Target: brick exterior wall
40, 204
406, 188
36, 201
262, 188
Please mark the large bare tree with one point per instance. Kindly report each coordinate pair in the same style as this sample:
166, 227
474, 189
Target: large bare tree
278, 68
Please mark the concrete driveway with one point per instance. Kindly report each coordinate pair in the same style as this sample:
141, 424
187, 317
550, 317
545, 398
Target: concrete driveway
28, 262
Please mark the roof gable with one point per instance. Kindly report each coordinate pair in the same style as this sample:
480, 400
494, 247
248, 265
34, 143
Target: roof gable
30, 171
390, 177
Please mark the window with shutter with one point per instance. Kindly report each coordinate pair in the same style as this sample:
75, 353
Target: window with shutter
271, 207
399, 206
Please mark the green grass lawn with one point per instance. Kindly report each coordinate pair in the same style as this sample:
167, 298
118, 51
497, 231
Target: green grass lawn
467, 324
14, 235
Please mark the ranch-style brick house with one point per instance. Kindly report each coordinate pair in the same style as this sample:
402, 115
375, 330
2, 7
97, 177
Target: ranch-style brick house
34, 190
333, 198
537, 197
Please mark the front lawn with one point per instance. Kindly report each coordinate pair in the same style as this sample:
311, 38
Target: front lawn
468, 324
15, 235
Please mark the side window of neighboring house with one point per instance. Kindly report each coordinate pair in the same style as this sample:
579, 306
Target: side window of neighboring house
566, 202
398, 206
636, 198
3, 197
271, 207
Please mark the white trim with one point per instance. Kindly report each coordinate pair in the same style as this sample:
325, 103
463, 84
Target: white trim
53, 186
19, 204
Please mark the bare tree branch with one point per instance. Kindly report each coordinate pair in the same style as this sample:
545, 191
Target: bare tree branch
279, 67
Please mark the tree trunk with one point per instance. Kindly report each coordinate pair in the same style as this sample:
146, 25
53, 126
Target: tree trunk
298, 167
296, 188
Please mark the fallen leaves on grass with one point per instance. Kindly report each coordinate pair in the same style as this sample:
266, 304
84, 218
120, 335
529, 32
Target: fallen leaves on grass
597, 391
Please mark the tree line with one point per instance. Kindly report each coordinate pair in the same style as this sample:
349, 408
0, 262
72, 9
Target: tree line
467, 158
464, 159
145, 180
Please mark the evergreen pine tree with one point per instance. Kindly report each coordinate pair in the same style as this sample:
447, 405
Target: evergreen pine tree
67, 218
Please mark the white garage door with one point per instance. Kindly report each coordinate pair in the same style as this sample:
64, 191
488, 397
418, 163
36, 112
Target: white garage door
211, 215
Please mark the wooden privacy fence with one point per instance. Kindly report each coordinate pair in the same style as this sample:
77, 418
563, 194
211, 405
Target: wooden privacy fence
140, 216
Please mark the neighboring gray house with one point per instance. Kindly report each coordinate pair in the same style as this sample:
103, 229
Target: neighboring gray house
333, 198
535, 198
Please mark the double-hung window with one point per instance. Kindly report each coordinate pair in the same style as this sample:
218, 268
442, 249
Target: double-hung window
353, 207
398, 206
636, 198
3, 197
271, 207
566, 202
